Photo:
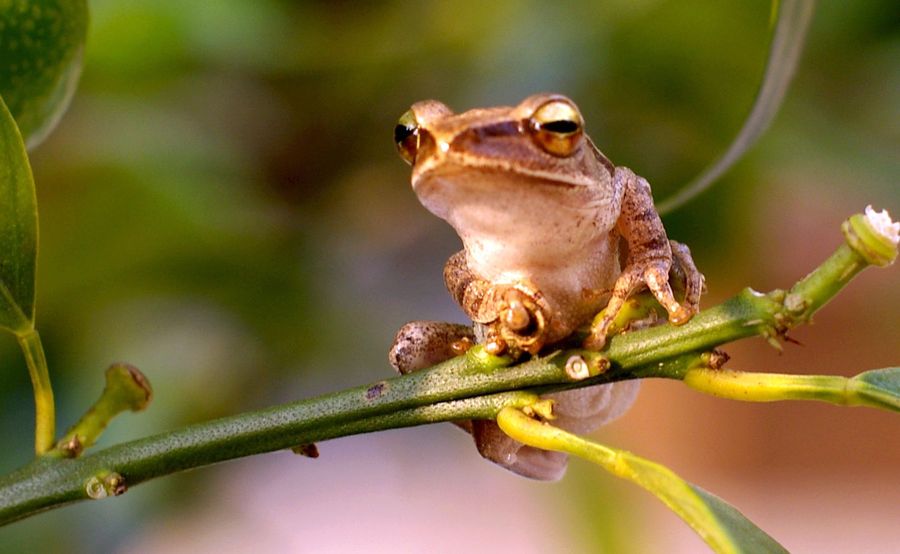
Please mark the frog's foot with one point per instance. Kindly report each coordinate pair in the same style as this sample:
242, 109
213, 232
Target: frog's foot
421, 344
654, 273
494, 445
522, 319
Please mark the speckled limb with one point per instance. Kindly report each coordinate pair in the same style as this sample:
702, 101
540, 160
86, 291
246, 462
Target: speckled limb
649, 257
469, 290
421, 344
476, 298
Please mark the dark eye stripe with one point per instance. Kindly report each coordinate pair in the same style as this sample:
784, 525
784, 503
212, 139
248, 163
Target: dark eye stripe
561, 126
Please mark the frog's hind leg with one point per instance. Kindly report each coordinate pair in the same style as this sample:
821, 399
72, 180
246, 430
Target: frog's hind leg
528, 461
577, 411
421, 344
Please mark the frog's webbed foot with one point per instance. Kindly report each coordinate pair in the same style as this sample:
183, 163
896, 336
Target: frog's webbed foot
655, 274
421, 344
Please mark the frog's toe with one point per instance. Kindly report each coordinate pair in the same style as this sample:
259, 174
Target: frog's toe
523, 318
686, 271
596, 339
681, 315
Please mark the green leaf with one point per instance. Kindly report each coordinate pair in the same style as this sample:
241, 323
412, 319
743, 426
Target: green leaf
722, 526
41, 49
743, 533
879, 387
18, 229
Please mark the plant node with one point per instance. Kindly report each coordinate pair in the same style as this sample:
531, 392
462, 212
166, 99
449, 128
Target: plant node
126, 389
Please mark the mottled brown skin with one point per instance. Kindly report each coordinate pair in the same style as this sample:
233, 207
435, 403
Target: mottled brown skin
541, 213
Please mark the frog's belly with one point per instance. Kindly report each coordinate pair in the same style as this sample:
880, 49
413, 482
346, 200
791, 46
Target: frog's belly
576, 285
576, 305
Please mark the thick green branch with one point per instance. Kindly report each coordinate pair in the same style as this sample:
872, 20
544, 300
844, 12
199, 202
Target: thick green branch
472, 386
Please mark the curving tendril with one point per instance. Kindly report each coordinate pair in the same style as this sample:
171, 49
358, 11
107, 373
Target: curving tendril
793, 21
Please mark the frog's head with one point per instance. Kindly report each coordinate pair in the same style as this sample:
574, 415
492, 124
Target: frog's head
496, 172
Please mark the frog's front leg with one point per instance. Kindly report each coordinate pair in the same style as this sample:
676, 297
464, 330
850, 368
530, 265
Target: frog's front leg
649, 259
515, 316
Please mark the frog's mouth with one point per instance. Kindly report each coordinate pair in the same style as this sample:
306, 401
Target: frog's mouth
501, 192
492, 172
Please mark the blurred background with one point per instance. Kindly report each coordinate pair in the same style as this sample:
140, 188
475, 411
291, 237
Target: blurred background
222, 206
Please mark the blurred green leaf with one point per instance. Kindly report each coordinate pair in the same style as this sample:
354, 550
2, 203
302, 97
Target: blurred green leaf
18, 229
722, 526
880, 387
738, 533
41, 47
787, 42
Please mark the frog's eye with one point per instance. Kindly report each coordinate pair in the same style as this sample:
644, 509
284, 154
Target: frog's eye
406, 136
556, 127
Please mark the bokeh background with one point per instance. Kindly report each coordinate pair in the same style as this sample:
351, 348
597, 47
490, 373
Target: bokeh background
223, 207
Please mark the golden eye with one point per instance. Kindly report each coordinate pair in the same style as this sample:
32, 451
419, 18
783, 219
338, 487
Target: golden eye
406, 137
556, 127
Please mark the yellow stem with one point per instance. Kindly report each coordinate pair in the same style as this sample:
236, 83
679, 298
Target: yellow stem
773, 387
44, 410
688, 502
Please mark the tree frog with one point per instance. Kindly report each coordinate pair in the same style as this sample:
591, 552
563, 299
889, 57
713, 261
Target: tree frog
545, 219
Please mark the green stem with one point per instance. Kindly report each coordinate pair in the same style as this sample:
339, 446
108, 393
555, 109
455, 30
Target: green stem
820, 286
53, 482
126, 389
748, 314
44, 410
